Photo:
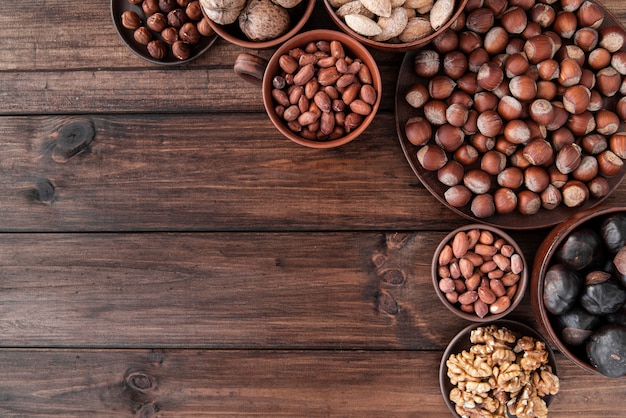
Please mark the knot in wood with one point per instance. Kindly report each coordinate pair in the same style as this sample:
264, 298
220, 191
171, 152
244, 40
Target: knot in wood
139, 381
72, 139
44, 191
387, 303
392, 276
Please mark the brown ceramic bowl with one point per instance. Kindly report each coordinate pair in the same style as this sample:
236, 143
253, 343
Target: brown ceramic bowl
299, 15
495, 282
120, 6
514, 220
462, 342
257, 69
544, 259
394, 46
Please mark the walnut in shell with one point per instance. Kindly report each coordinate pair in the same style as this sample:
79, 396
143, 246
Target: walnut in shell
262, 20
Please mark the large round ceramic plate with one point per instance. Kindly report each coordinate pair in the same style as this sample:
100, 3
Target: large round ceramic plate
120, 6
462, 342
515, 220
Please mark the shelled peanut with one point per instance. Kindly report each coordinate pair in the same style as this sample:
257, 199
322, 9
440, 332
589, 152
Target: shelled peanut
521, 106
479, 272
322, 93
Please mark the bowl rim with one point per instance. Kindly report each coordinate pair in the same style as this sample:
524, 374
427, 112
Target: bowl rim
350, 44
522, 283
221, 30
515, 326
391, 47
540, 265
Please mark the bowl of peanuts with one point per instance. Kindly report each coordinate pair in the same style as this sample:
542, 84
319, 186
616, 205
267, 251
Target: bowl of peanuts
321, 88
396, 26
499, 369
479, 273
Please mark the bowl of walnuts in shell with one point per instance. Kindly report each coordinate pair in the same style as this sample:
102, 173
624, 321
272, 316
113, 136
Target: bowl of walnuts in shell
394, 26
518, 119
165, 32
257, 24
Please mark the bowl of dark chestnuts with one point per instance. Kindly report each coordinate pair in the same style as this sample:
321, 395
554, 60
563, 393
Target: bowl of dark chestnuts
578, 289
479, 273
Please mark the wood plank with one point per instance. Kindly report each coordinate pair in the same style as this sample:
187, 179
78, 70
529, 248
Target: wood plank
225, 290
259, 181
150, 383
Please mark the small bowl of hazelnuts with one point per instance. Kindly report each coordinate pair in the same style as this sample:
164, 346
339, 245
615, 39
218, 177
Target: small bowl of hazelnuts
167, 32
479, 273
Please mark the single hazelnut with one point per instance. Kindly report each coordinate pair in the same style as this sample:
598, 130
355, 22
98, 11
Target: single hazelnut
599, 58
523, 87
570, 72
588, 78
596, 101
599, 187
587, 170
483, 206
561, 116
541, 111
536, 179
449, 137
431, 157
528, 202
446, 41
458, 195
608, 81
493, 162
470, 127
480, 20
417, 95
205, 28
581, 123
607, 122
490, 75
539, 48
609, 163
455, 64
576, 99
426, 63
510, 108
466, 154
590, 14
142, 35
507, 148
150, 7
548, 69
586, 38
551, 197
565, 24
532, 29
462, 98
514, 20
469, 41
497, 6
176, 18
515, 45
189, 33
489, 123
595, 143
496, 40
169, 35
546, 90
484, 101
516, 64
557, 178
193, 10
131, 20
418, 131
571, 5
157, 49
441, 87
568, 158
477, 180
511, 177
575, 193
482, 143
451, 174
505, 201
571, 51
617, 144
612, 38
435, 112
517, 131
543, 14
538, 152
457, 114
468, 83
167, 6
181, 50
157, 22
562, 137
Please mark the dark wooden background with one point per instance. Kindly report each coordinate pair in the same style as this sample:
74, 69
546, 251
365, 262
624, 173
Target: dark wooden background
189, 261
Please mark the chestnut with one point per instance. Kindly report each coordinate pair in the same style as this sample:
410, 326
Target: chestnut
613, 232
581, 249
560, 289
603, 298
607, 350
577, 325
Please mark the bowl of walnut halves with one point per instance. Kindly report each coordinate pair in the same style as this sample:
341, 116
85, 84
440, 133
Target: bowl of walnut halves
498, 369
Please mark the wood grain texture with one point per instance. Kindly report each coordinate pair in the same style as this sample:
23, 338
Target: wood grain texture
139, 383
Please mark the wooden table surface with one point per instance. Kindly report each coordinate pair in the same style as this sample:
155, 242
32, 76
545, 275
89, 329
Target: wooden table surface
190, 261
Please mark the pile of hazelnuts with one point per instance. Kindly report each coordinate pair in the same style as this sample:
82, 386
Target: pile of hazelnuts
520, 107
167, 26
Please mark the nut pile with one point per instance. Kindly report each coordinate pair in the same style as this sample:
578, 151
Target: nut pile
322, 93
479, 272
166, 26
501, 375
394, 21
259, 20
521, 107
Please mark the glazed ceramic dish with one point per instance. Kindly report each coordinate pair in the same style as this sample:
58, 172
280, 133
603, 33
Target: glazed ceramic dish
298, 15
392, 46
514, 220
120, 6
462, 342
